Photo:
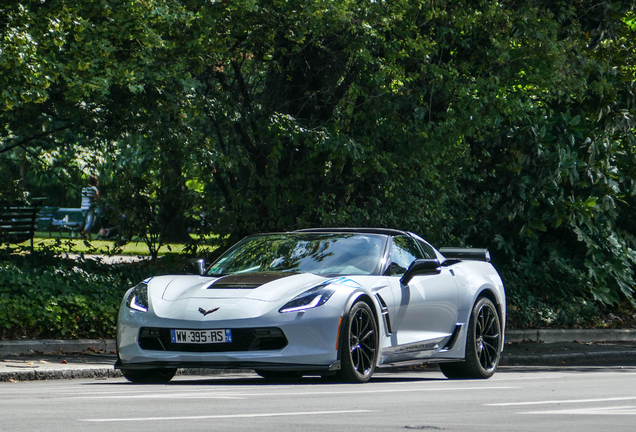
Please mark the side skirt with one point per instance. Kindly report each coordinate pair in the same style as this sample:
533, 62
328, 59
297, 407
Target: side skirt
416, 363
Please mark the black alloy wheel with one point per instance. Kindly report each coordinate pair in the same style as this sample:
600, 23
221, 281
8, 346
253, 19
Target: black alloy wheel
359, 344
149, 376
483, 344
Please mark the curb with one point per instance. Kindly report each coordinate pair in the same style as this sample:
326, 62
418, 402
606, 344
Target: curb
578, 335
571, 359
574, 335
35, 375
103, 372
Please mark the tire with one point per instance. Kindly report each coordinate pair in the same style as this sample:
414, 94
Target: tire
149, 376
483, 344
359, 345
276, 375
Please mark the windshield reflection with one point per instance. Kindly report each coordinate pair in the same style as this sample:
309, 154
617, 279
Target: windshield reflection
319, 253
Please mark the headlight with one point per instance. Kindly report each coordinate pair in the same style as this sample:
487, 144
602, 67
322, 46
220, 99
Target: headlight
138, 298
309, 299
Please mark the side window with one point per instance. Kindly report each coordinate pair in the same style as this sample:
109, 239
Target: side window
427, 249
403, 253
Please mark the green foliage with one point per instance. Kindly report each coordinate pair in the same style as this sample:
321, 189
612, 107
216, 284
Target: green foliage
46, 297
550, 175
58, 302
306, 118
501, 124
527, 311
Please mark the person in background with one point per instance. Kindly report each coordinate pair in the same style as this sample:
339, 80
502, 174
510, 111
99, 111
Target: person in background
90, 197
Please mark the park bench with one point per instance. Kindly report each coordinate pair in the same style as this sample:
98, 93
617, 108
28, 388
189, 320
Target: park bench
57, 219
18, 221
67, 219
45, 218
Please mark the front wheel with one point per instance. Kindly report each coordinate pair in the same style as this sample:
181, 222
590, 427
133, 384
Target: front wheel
148, 376
483, 344
359, 344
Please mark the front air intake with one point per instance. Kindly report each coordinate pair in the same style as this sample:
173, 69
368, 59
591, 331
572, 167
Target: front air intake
243, 339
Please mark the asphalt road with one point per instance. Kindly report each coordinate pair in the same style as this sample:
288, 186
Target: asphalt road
516, 398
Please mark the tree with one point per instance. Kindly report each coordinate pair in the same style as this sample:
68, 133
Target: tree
501, 124
549, 117
92, 73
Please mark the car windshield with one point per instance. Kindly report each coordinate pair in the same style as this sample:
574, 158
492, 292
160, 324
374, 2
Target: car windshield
319, 253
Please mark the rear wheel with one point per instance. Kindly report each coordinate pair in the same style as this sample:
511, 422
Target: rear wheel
483, 344
149, 376
275, 375
359, 344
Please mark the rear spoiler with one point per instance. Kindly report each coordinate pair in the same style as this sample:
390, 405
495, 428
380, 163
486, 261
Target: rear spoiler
474, 254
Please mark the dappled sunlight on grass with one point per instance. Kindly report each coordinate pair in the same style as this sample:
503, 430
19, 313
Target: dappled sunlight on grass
107, 247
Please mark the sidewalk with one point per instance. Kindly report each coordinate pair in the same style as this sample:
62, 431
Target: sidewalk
27, 360
583, 347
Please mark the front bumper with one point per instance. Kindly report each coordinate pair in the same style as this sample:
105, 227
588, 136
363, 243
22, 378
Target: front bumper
311, 342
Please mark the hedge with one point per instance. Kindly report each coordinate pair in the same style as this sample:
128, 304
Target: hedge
43, 297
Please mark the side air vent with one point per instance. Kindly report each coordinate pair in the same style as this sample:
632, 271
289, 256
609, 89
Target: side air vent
385, 314
451, 342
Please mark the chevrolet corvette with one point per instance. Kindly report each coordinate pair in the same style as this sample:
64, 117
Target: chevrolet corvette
334, 302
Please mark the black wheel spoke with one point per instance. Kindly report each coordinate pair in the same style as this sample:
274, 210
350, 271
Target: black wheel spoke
364, 324
479, 324
366, 362
368, 348
366, 336
486, 361
490, 347
490, 322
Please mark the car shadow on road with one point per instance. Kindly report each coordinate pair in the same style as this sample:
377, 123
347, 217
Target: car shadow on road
253, 380
567, 369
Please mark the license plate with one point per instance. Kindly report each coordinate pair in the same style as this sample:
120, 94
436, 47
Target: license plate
201, 336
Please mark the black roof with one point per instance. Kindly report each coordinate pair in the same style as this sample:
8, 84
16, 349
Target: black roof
385, 231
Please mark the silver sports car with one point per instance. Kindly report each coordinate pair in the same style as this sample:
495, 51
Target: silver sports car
336, 302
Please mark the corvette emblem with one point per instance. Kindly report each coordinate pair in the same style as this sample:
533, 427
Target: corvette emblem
204, 312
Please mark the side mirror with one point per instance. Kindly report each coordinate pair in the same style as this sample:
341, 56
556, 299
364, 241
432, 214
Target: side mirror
421, 267
196, 266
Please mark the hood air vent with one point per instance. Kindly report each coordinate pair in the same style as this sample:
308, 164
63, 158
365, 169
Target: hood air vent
248, 280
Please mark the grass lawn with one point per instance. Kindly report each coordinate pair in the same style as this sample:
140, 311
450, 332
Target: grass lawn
66, 243
77, 245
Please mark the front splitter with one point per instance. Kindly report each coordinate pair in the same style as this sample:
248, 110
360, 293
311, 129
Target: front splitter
227, 365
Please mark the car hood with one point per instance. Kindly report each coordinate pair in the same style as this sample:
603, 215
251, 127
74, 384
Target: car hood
242, 296
268, 287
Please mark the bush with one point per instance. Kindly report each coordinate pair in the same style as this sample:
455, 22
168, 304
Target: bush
525, 310
530, 312
45, 297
